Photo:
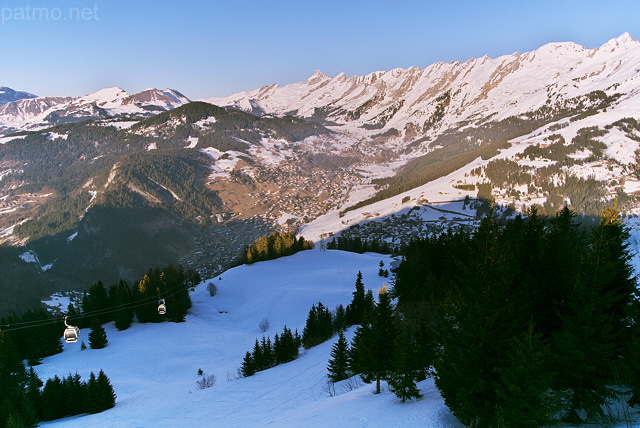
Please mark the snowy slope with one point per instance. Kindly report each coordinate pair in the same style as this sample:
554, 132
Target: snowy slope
153, 366
476, 89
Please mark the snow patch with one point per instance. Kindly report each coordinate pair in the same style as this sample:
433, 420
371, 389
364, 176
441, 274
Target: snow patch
192, 143
29, 257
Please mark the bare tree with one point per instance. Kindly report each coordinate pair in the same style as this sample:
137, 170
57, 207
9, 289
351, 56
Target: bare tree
206, 381
264, 325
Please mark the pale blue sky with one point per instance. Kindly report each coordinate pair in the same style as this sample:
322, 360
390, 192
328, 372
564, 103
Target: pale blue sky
215, 48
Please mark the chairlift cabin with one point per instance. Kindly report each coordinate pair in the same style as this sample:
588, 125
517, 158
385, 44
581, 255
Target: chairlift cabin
162, 307
71, 333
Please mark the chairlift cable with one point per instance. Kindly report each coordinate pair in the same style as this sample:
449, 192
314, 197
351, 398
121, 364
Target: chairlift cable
39, 323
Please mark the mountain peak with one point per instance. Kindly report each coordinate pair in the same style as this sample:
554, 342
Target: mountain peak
623, 40
316, 77
107, 95
7, 95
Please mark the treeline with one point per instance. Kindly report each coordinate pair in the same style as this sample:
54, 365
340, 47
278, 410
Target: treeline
558, 150
358, 245
436, 164
24, 401
277, 244
36, 334
121, 302
72, 396
523, 322
265, 354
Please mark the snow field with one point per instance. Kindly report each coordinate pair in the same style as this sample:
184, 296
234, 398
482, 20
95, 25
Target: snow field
153, 367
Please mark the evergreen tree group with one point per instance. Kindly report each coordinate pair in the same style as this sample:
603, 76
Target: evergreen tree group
121, 302
523, 320
25, 399
266, 354
71, 396
38, 335
319, 326
358, 245
277, 244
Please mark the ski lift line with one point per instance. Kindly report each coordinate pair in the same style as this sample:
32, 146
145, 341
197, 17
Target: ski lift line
38, 323
87, 314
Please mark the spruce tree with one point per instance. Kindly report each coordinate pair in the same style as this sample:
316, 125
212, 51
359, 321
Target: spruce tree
339, 318
373, 346
97, 335
319, 326
408, 368
258, 357
524, 387
123, 300
52, 402
92, 397
340, 361
355, 309
482, 314
369, 306
248, 367
15, 406
107, 396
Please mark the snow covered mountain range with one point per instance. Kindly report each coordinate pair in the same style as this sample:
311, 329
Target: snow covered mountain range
32, 113
417, 101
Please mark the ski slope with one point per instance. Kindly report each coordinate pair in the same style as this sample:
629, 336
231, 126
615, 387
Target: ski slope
153, 367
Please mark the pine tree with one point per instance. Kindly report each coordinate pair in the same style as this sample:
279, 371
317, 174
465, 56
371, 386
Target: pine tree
97, 300
258, 357
369, 306
319, 326
52, 402
107, 396
524, 387
91, 402
595, 324
340, 361
34, 383
408, 367
123, 300
97, 335
248, 367
15, 406
481, 315
373, 346
339, 318
268, 356
355, 309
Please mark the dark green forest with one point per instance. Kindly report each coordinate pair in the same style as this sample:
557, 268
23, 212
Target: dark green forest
522, 323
